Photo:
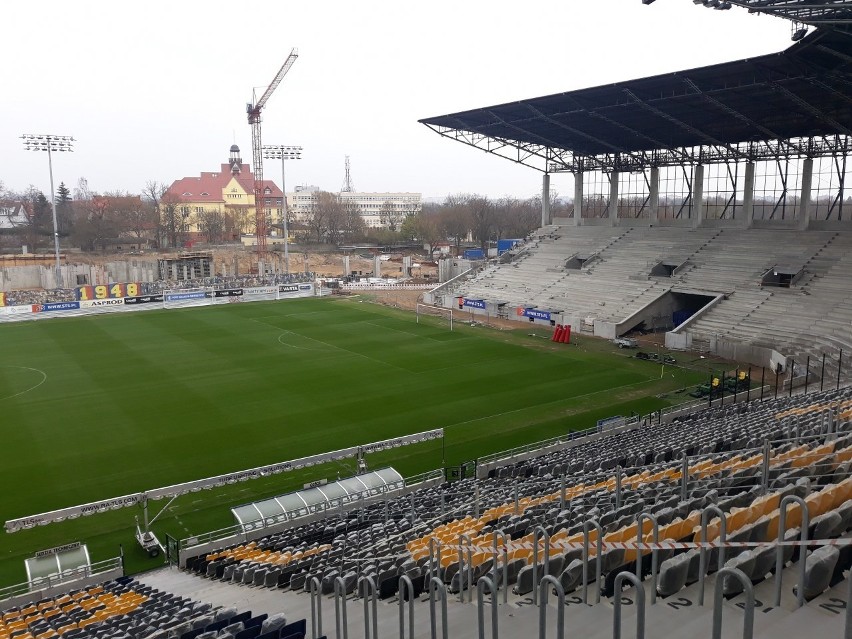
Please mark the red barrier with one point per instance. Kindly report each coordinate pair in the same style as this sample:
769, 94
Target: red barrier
557, 334
566, 334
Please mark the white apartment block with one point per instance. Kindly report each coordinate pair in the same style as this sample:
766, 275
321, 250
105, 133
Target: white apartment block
300, 203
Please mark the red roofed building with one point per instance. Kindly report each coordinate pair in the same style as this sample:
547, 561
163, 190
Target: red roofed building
220, 205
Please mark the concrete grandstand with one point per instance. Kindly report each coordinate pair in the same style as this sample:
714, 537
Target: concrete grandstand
708, 203
739, 514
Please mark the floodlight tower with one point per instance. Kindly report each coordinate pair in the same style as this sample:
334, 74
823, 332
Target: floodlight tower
51, 143
282, 152
253, 111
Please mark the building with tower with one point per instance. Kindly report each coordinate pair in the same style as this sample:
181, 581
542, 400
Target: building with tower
219, 206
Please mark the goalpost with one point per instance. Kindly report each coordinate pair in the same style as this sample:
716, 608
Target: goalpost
427, 310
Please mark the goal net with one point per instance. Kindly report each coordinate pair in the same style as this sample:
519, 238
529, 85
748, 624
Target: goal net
436, 315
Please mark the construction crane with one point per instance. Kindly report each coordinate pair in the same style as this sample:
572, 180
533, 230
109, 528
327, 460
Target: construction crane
253, 111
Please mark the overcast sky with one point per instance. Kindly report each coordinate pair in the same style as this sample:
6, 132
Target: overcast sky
156, 90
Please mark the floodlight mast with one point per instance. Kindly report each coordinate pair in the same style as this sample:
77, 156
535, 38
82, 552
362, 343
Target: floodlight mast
254, 112
50, 143
283, 152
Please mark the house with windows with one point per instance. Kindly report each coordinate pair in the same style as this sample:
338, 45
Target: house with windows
13, 215
220, 205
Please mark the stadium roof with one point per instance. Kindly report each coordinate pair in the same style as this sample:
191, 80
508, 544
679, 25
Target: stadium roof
802, 92
836, 14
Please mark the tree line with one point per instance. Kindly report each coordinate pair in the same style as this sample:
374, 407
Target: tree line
93, 221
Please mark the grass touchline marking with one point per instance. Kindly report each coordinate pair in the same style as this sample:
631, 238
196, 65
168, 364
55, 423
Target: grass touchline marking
555, 401
28, 368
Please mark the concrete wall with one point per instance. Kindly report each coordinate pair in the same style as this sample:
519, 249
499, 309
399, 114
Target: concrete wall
748, 353
678, 341
30, 277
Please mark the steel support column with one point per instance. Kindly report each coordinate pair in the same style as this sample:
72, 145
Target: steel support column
697, 210
805, 196
748, 195
578, 198
612, 209
654, 196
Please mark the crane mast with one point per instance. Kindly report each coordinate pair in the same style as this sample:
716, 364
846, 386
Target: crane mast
254, 119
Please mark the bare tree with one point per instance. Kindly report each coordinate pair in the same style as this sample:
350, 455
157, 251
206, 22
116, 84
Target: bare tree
454, 219
317, 218
174, 216
482, 219
335, 216
390, 216
211, 223
353, 223
153, 193
96, 219
136, 217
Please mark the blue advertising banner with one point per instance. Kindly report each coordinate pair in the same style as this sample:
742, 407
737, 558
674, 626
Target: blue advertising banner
175, 297
536, 314
474, 303
56, 306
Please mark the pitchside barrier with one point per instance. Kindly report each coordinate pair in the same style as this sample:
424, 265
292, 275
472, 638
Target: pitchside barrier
166, 299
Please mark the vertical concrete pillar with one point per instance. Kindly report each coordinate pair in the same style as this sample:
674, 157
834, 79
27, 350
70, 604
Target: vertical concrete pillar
805, 198
696, 212
545, 200
185, 272
377, 266
578, 198
612, 211
748, 195
346, 271
654, 196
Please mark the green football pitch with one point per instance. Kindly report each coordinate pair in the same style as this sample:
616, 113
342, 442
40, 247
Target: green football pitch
102, 406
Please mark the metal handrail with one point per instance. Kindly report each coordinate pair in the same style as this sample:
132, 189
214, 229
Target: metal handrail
640, 605
538, 533
340, 604
315, 589
406, 584
464, 538
702, 560
748, 618
504, 538
640, 519
434, 557
485, 582
66, 576
369, 590
560, 607
779, 552
437, 586
592, 523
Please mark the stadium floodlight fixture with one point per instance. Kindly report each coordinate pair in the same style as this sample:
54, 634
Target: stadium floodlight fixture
647, 1
283, 152
798, 31
50, 143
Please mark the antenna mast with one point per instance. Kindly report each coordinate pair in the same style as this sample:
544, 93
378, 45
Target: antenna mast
348, 187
